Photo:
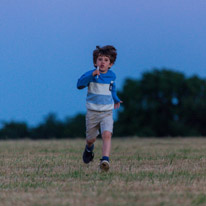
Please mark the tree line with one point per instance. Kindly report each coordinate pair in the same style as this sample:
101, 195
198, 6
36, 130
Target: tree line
51, 127
161, 103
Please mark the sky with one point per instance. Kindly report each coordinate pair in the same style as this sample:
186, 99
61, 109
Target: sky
46, 45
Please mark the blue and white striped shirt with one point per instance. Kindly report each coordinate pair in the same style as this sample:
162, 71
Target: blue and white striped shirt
101, 94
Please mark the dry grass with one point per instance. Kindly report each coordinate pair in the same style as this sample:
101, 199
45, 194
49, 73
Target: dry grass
154, 172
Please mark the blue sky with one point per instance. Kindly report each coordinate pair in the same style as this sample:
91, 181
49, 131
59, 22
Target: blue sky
46, 45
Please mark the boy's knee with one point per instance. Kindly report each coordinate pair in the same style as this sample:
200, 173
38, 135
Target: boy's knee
106, 135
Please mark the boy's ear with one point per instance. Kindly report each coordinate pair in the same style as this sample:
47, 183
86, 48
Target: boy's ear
111, 64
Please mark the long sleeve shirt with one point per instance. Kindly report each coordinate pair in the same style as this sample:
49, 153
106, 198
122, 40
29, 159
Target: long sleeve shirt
101, 94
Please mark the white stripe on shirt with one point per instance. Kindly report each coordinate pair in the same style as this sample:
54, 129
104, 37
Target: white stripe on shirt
97, 88
99, 107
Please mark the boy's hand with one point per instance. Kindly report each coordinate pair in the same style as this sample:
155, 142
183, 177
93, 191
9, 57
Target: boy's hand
96, 72
117, 105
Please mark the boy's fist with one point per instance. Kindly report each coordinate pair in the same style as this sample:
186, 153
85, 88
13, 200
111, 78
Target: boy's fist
96, 72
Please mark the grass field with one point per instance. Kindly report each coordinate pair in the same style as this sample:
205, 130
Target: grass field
143, 172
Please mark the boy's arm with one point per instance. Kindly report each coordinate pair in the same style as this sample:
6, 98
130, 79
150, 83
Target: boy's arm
117, 101
114, 94
85, 79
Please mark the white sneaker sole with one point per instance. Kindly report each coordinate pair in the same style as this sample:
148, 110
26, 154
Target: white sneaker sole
104, 165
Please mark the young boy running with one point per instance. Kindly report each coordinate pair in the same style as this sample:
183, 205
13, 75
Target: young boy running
100, 102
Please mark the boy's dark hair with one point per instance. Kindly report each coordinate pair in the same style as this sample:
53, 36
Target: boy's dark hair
108, 51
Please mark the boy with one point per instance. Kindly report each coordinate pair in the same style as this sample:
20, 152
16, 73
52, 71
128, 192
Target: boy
101, 99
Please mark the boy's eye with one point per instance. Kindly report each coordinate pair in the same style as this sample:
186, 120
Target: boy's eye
103, 59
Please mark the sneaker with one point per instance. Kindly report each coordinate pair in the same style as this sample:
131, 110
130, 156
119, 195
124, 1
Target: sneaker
87, 156
104, 165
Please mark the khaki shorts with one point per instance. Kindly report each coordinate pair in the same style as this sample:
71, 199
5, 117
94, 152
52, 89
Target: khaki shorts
98, 120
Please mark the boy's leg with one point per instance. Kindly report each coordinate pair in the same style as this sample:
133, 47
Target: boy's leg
92, 131
106, 147
107, 129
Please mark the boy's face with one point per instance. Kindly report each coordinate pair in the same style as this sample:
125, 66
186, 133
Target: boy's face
103, 62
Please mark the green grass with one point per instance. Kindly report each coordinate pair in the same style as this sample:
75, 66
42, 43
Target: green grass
157, 172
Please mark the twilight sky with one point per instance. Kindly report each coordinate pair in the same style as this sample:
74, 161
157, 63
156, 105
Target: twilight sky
46, 45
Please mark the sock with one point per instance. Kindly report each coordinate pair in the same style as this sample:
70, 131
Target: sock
105, 158
89, 149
